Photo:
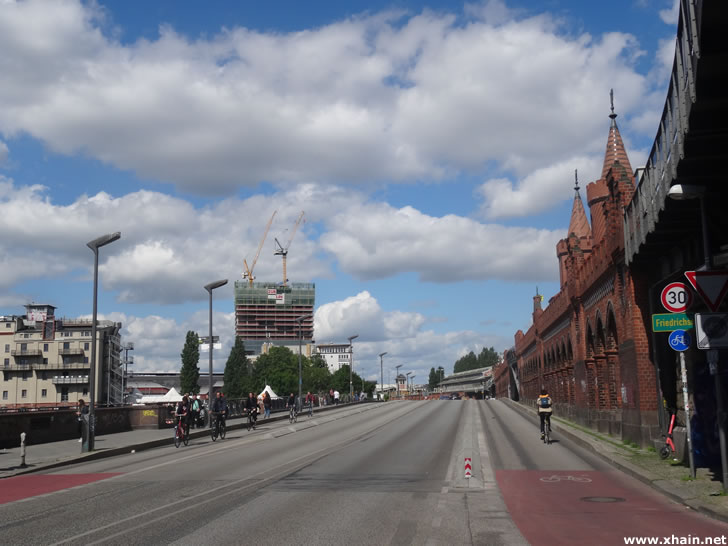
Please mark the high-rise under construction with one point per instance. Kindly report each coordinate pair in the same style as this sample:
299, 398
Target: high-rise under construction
266, 313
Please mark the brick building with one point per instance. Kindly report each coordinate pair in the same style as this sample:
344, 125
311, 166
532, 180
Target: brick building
589, 346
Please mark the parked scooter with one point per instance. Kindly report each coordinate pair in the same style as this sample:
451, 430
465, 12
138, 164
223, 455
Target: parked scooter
669, 447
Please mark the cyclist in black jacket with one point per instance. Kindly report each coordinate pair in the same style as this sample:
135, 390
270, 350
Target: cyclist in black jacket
251, 404
219, 406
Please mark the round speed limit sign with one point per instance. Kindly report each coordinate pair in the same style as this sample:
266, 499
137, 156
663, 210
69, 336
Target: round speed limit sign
676, 298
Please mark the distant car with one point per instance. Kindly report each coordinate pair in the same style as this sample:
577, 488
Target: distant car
444, 397
455, 397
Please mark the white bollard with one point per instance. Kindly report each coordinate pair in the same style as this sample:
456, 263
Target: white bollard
22, 451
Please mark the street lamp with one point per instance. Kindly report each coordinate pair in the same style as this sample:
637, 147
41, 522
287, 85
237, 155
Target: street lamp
396, 378
300, 320
351, 367
408, 382
412, 383
94, 245
381, 371
682, 192
210, 287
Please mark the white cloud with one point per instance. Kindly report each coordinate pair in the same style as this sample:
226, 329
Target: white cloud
4, 152
670, 16
368, 98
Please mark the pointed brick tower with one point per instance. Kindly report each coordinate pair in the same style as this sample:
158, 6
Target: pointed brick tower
578, 241
615, 147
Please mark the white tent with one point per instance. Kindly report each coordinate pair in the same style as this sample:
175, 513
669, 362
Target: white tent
273, 396
171, 396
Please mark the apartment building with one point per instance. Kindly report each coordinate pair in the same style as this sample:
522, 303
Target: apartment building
335, 355
45, 360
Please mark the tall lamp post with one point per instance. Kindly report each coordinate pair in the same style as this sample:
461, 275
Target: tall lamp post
210, 287
412, 388
351, 367
300, 320
396, 377
408, 382
381, 371
88, 444
682, 192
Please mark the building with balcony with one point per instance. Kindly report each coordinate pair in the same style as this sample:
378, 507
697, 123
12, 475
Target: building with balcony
45, 360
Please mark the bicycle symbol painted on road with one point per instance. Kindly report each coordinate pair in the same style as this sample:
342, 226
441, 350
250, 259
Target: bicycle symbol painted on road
557, 478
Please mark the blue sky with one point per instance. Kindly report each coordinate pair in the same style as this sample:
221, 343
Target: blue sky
432, 146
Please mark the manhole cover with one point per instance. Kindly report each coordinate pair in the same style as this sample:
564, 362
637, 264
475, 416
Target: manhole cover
603, 499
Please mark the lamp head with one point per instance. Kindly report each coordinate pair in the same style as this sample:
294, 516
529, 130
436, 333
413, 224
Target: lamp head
353, 337
103, 240
299, 320
217, 284
382, 354
681, 192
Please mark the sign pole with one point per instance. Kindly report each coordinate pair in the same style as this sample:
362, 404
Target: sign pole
683, 371
713, 364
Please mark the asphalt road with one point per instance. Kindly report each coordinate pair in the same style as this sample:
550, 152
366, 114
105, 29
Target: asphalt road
390, 473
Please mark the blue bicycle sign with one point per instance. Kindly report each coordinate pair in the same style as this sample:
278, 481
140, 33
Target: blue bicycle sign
680, 340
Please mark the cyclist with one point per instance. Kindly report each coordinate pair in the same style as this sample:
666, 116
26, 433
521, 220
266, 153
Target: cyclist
251, 404
291, 403
309, 402
219, 407
543, 404
182, 413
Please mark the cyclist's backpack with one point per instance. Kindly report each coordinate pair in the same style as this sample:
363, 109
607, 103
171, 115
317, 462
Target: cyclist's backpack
545, 402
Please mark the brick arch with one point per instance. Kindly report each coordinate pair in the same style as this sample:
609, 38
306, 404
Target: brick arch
569, 349
600, 338
589, 341
612, 335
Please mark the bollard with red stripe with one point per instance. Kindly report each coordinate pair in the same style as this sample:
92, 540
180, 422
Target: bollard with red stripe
468, 467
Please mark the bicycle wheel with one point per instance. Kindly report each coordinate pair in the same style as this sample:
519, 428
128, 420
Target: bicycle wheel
295, 416
177, 439
250, 421
186, 435
290, 416
213, 431
665, 452
222, 430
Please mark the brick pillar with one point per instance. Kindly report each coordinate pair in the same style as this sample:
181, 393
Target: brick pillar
602, 378
615, 393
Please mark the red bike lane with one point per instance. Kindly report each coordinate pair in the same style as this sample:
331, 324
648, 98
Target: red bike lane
589, 507
32, 485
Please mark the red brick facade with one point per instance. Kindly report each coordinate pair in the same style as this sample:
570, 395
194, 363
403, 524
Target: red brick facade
589, 346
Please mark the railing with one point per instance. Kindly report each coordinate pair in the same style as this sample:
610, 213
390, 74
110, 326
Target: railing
654, 181
71, 352
26, 352
17, 366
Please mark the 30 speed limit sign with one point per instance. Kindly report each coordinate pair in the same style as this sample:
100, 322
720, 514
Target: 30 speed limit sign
676, 298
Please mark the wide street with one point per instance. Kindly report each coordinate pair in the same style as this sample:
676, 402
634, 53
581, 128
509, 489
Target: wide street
371, 474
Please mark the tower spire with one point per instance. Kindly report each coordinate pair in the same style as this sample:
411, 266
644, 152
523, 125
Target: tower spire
579, 225
576, 180
615, 147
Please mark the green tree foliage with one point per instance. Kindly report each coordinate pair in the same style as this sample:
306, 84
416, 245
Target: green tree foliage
190, 372
433, 379
237, 379
486, 358
279, 367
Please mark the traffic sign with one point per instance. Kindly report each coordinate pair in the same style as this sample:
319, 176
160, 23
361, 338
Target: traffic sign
667, 322
680, 340
711, 285
676, 298
711, 330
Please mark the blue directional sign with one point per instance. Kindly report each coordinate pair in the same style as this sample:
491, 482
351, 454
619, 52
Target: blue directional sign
679, 340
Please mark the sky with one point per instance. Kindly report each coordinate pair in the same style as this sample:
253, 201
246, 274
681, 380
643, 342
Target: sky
430, 144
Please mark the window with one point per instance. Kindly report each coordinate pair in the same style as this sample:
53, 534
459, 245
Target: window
64, 394
5, 395
44, 375
23, 347
43, 393
6, 362
85, 360
25, 376
85, 391
7, 347
66, 345
24, 393
6, 376
45, 361
7, 325
86, 333
45, 347
85, 346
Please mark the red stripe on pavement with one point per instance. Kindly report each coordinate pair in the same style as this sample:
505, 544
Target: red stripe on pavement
23, 487
555, 512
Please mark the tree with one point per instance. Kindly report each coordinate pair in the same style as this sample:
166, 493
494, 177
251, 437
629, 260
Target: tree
279, 368
236, 379
189, 375
433, 379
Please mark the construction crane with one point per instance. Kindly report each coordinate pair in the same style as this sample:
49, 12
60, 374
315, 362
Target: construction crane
282, 251
248, 273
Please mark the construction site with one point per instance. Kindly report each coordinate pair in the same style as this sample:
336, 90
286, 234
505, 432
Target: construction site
274, 313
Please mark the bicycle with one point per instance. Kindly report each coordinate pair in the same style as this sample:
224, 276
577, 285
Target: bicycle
292, 415
546, 435
181, 432
669, 447
251, 420
218, 427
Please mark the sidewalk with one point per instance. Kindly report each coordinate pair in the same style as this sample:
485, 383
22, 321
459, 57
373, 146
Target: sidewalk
704, 493
53, 454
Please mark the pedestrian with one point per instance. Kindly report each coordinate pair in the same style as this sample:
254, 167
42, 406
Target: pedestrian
195, 410
82, 410
267, 403
336, 398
